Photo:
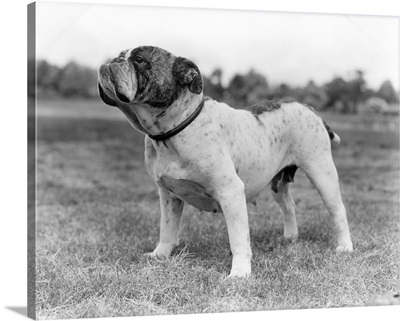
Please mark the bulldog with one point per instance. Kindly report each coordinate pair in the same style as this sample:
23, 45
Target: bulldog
205, 153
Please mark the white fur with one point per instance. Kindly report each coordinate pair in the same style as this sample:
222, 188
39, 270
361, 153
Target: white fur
234, 156
225, 158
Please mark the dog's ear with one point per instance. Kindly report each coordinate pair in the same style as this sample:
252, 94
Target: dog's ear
107, 100
187, 73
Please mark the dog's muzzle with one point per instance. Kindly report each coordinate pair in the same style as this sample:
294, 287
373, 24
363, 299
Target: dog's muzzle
118, 79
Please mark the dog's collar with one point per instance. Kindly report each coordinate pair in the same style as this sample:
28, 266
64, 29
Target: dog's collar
180, 127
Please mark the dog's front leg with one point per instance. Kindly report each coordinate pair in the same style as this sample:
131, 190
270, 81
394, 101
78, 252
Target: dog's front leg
171, 211
233, 203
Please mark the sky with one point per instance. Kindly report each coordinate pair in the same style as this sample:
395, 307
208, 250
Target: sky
285, 47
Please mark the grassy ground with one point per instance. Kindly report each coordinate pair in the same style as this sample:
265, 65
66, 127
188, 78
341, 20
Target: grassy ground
98, 212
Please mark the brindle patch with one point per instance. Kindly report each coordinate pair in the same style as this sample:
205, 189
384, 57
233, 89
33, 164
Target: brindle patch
264, 107
161, 76
155, 82
185, 72
284, 176
258, 109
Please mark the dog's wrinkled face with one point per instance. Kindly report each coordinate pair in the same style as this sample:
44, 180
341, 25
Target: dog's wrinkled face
147, 75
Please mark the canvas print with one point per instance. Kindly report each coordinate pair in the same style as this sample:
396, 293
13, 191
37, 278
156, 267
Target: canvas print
198, 161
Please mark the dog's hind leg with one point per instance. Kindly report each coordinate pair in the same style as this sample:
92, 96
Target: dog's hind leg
287, 207
171, 212
323, 174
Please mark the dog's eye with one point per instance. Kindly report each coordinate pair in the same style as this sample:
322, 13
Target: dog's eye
139, 60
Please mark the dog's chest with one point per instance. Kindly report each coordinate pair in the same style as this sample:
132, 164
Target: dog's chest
170, 172
191, 192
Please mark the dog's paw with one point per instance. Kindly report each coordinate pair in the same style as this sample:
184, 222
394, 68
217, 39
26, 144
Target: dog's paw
239, 273
291, 234
286, 241
161, 251
290, 239
234, 275
150, 255
345, 248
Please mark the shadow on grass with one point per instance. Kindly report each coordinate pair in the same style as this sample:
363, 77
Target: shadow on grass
267, 241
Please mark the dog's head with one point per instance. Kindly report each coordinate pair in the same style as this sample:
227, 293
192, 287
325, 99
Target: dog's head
147, 75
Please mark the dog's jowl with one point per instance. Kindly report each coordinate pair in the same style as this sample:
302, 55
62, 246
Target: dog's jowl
215, 157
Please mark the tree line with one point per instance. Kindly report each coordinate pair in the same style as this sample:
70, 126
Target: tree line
344, 95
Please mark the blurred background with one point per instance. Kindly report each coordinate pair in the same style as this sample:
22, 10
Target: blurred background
339, 63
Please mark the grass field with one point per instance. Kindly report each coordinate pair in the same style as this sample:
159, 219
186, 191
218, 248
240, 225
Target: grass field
98, 212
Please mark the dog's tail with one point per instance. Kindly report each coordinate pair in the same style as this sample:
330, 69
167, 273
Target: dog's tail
332, 135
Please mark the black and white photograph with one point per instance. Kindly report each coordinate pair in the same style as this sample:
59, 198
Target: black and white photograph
203, 160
